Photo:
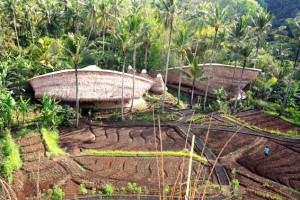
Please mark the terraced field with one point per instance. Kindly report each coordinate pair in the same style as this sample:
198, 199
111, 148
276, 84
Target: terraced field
95, 171
245, 154
125, 139
265, 121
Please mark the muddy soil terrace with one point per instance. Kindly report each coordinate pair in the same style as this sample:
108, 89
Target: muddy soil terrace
96, 171
245, 154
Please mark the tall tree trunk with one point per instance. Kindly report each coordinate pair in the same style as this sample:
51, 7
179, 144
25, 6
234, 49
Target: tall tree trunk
77, 99
193, 90
233, 77
257, 48
146, 55
89, 34
15, 25
134, 69
167, 68
239, 86
180, 76
123, 71
211, 59
31, 29
197, 46
103, 40
75, 26
288, 89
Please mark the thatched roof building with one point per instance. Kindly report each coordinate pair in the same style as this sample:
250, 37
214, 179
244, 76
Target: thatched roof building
221, 77
95, 85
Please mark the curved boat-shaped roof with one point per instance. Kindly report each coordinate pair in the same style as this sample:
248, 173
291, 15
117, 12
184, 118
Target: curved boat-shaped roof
94, 85
221, 77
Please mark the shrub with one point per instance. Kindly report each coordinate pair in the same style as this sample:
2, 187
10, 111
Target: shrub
234, 186
83, 189
108, 188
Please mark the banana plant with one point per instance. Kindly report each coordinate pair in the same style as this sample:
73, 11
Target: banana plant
7, 105
23, 107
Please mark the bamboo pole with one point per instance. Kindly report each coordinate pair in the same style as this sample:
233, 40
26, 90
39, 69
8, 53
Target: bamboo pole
156, 155
190, 168
162, 159
199, 166
211, 171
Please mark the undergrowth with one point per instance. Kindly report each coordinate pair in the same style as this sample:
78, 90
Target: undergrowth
144, 153
10, 158
50, 138
148, 116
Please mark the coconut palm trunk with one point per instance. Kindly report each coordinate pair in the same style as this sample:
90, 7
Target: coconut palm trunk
103, 40
77, 99
167, 66
123, 72
15, 25
31, 29
197, 46
239, 86
146, 55
235, 65
133, 80
180, 77
255, 62
209, 71
193, 90
289, 85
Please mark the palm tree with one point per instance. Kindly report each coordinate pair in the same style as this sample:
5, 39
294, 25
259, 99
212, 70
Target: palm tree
245, 51
74, 46
215, 19
183, 43
29, 8
261, 24
91, 8
195, 75
166, 10
237, 34
146, 32
73, 13
104, 20
135, 27
199, 20
123, 41
11, 7
295, 24
116, 4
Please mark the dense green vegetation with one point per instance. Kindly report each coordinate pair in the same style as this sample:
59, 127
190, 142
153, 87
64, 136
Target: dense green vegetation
9, 155
38, 37
50, 138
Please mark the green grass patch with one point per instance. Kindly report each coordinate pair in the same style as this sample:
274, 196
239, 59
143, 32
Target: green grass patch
24, 131
198, 118
142, 153
291, 133
148, 116
292, 121
10, 158
50, 138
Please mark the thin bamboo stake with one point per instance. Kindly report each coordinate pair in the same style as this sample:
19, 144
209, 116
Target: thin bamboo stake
38, 179
156, 155
162, 160
190, 168
187, 136
199, 166
3, 185
211, 171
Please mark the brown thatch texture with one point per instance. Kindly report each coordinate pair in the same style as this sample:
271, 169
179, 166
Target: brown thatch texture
94, 85
221, 77
158, 86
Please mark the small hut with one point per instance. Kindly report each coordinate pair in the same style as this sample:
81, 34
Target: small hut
95, 87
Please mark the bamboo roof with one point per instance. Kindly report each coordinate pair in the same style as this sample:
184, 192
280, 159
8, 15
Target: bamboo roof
221, 76
94, 85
